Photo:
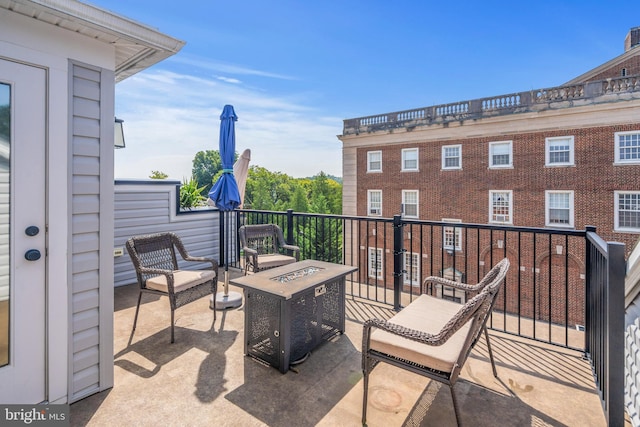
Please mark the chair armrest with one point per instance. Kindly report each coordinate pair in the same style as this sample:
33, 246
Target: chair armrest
156, 271
214, 263
446, 282
250, 253
294, 248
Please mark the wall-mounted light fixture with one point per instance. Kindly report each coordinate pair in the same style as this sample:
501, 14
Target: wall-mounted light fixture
118, 134
373, 231
559, 249
500, 244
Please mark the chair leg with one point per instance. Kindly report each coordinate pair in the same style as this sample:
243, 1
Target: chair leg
365, 381
135, 319
455, 405
493, 365
172, 315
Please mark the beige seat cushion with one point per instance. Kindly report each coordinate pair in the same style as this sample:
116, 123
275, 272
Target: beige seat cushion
274, 260
182, 279
427, 314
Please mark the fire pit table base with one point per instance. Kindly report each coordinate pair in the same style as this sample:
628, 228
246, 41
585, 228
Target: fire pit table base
286, 319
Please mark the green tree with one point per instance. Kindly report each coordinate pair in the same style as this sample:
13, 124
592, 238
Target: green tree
299, 202
266, 190
206, 164
158, 175
326, 195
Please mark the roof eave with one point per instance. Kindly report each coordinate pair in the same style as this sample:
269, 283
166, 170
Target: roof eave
138, 46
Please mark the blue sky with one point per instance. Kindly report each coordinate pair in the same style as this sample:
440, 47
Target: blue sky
294, 70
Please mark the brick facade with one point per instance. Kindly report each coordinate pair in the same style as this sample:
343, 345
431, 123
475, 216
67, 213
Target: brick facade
546, 283
464, 194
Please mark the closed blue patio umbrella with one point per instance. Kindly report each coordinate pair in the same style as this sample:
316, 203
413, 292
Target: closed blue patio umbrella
226, 197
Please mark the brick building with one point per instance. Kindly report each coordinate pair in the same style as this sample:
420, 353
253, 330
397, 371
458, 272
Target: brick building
563, 157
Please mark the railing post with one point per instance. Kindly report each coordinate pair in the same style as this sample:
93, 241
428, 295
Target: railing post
289, 238
588, 303
614, 393
397, 260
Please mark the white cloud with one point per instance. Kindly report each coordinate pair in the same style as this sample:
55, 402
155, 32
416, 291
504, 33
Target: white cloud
229, 80
224, 68
169, 117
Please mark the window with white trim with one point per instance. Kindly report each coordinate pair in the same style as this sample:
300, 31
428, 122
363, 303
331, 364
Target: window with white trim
559, 208
410, 203
452, 236
627, 147
501, 154
374, 161
410, 159
374, 202
627, 210
411, 269
452, 157
375, 263
559, 151
501, 206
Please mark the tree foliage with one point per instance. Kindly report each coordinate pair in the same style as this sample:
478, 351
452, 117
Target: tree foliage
158, 175
276, 191
206, 164
273, 191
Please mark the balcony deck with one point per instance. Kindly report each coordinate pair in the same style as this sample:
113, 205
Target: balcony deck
204, 378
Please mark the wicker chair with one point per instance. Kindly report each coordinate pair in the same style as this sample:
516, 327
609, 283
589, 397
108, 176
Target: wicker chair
264, 247
431, 336
154, 258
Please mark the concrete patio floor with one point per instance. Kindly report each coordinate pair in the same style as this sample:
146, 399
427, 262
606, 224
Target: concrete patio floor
204, 379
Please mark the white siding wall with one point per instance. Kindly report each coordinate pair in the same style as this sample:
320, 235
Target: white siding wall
91, 205
145, 207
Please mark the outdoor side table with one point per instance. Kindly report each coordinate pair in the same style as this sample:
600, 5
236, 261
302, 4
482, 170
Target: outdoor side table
290, 310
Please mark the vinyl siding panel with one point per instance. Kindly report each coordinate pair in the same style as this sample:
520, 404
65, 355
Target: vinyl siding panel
87, 122
143, 207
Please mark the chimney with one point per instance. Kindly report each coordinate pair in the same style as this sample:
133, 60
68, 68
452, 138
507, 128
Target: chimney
633, 38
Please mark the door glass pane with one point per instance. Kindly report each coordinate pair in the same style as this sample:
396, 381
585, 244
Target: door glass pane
5, 147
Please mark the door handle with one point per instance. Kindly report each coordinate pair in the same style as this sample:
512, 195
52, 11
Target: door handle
32, 255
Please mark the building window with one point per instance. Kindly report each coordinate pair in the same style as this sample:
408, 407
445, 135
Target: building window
627, 147
452, 236
374, 161
501, 207
559, 151
410, 159
410, 203
627, 213
623, 72
559, 211
411, 269
452, 157
375, 263
374, 202
500, 154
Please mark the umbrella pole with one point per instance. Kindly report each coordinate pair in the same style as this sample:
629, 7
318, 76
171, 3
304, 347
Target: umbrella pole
226, 299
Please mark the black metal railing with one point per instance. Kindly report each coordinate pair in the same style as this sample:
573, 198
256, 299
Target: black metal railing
564, 286
605, 318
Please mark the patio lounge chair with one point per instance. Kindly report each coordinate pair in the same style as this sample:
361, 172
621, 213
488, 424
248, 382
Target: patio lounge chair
431, 336
154, 258
264, 247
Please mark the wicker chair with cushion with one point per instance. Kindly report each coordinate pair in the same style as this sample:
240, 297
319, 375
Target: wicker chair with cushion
431, 336
156, 264
264, 247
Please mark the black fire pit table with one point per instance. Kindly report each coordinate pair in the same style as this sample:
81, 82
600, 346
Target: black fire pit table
290, 310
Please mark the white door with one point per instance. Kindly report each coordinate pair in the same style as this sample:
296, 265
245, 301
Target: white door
22, 233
